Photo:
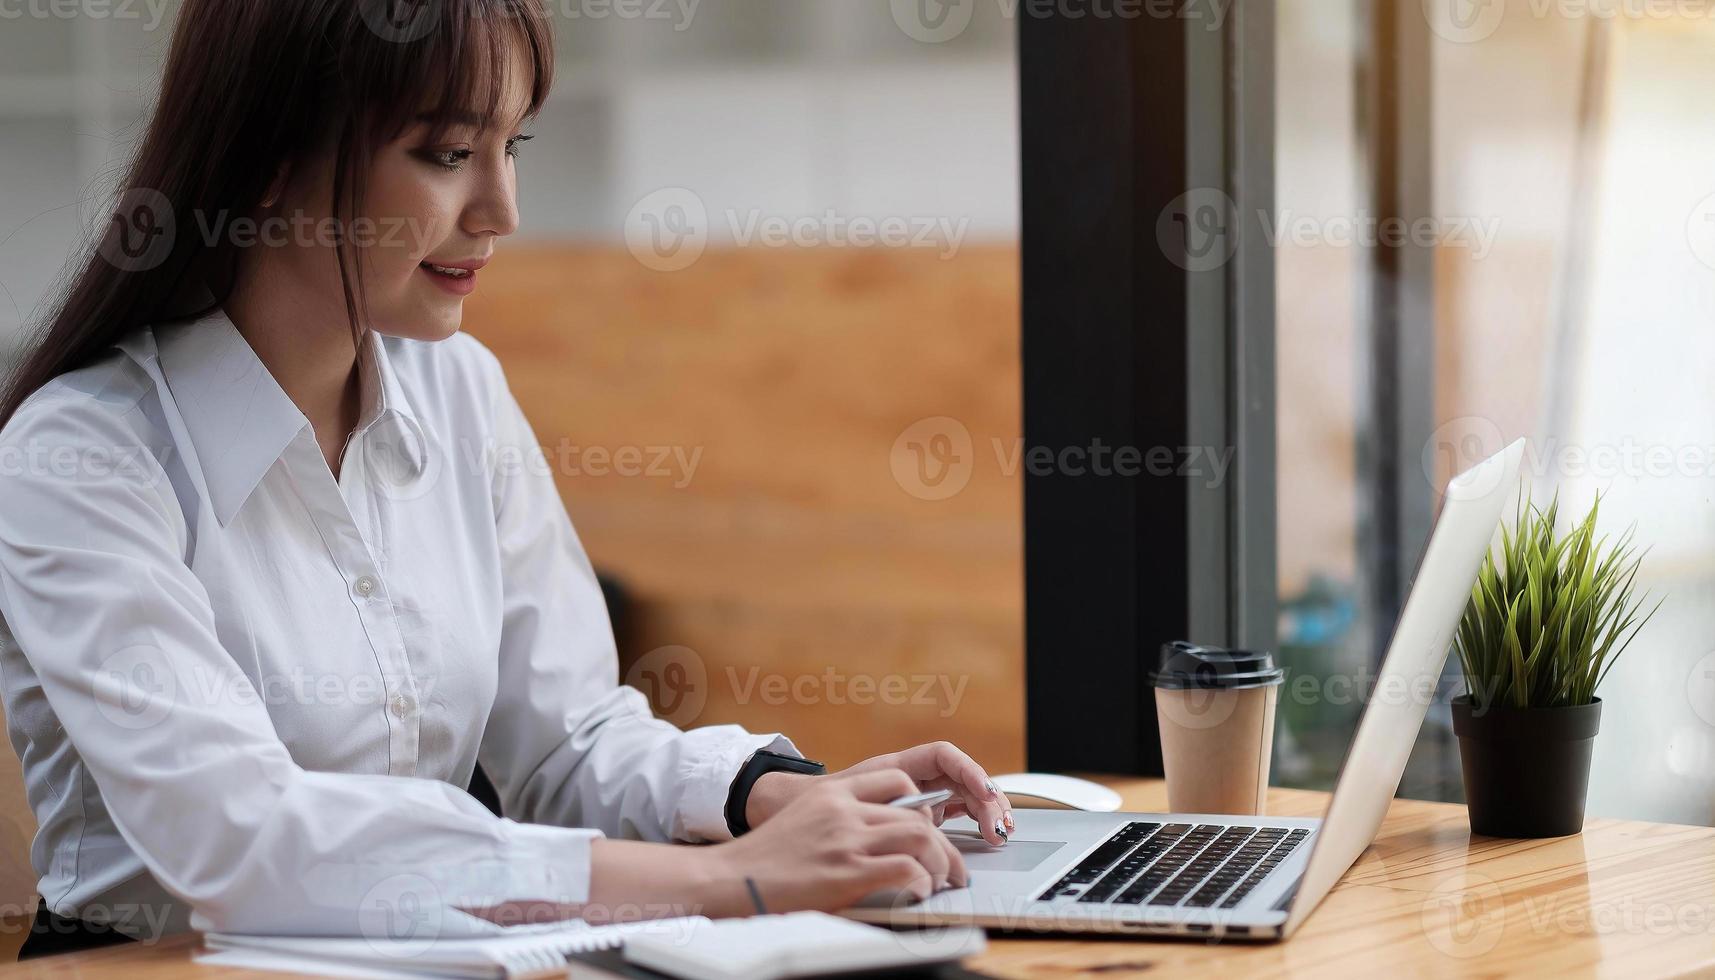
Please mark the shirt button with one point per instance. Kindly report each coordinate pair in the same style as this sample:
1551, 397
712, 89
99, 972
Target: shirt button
365, 586
401, 706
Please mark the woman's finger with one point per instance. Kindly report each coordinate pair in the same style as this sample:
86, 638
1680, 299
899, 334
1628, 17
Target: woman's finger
943, 765
919, 840
894, 824
879, 786
896, 871
953, 762
993, 815
984, 801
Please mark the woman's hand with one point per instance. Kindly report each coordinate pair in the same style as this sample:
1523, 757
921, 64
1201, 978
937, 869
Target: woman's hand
937, 765
838, 841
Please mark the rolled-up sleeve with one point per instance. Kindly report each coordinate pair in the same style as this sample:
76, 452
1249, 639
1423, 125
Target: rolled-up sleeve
97, 595
567, 743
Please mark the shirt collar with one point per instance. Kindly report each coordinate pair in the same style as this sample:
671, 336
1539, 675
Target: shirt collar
394, 436
382, 395
240, 421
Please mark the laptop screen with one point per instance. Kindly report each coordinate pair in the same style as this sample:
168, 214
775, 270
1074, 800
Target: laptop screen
1475, 502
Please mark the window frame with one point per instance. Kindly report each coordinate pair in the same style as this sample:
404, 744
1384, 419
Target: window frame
1130, 338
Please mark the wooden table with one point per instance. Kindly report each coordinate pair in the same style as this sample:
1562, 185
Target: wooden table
1624, 899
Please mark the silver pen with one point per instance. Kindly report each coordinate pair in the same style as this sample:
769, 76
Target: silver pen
932, 798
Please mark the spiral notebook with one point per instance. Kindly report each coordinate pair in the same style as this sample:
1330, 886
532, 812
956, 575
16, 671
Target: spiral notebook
532, 952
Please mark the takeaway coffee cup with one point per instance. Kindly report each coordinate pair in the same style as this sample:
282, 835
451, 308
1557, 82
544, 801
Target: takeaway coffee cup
1216, 710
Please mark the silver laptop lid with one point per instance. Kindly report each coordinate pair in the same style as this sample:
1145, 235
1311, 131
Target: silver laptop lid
1376, 760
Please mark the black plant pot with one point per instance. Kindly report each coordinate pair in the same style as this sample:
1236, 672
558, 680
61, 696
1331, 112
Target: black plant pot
1527, 770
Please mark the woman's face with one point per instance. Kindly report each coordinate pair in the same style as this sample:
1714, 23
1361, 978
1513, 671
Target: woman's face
433, 214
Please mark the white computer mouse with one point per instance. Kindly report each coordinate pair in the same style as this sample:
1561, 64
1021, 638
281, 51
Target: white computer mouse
1045, 790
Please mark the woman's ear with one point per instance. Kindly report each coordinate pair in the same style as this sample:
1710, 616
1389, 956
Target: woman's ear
277, 186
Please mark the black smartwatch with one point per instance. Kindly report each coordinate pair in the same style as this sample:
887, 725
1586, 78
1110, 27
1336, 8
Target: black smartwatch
761, 763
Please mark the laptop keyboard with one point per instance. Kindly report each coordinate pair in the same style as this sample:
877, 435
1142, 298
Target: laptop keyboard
1178, 864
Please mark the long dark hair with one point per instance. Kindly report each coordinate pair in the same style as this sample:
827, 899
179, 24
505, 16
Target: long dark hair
250, 85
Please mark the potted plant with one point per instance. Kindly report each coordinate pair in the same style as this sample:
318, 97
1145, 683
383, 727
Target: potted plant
1547, 620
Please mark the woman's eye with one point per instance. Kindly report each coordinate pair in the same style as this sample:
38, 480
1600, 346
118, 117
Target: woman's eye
454, 159
451, 159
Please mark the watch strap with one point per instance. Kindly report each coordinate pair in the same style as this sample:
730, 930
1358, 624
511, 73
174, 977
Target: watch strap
758, 765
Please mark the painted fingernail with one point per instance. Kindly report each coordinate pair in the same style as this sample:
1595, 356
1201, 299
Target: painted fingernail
989, 785
1000, 829
1007, 816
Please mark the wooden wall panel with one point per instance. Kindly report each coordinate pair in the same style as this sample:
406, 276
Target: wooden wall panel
17, 830
791, 548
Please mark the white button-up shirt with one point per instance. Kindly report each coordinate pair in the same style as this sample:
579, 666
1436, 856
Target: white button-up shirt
235, 680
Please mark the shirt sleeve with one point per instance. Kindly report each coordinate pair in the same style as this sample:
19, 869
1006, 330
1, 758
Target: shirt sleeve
566, 743
99, 599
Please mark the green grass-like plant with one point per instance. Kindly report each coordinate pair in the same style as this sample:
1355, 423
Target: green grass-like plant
1549, 618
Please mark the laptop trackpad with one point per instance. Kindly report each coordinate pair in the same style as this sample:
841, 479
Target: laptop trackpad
1018, 855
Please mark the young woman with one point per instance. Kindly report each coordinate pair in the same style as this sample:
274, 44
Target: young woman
262, 613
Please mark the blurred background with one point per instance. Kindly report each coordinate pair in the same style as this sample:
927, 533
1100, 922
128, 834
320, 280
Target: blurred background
760, 241
769, 254
1572, 177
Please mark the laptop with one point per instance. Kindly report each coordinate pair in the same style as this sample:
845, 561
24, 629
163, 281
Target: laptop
1215, 876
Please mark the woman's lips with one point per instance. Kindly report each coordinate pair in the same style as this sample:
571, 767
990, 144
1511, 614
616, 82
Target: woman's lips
457, 284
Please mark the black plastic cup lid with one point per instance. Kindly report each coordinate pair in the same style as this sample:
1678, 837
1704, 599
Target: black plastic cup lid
1189, 667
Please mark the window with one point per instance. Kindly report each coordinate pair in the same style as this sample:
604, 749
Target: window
1561, 190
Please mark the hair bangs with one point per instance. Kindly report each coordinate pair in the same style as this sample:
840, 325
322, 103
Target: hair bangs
460, 73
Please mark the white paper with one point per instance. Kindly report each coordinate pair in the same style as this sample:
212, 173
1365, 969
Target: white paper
260, 960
